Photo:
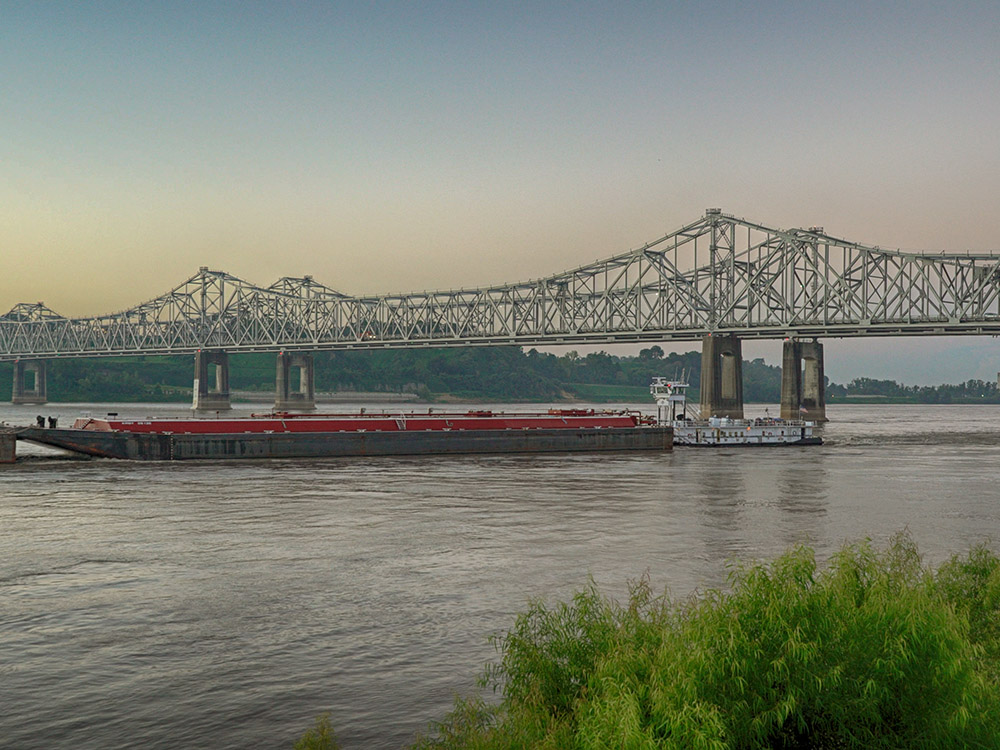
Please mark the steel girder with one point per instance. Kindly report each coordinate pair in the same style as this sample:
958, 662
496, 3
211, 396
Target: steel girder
719, 274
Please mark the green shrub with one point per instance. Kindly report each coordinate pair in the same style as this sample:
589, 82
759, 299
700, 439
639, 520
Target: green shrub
873, 651
320, 737
972, 586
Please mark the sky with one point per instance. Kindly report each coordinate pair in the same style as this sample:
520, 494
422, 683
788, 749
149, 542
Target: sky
402, 146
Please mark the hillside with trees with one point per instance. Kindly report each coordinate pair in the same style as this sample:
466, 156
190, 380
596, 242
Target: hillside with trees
502, 373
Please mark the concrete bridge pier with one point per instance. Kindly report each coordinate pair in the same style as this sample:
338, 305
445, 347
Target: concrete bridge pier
288, 396
721, 377
8, 446
803, 391
23, 393
211, 381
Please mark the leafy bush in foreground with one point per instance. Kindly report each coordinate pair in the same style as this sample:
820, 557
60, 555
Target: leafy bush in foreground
872, 651
320, 737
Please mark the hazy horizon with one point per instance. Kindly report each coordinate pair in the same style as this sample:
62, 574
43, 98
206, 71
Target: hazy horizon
398, 147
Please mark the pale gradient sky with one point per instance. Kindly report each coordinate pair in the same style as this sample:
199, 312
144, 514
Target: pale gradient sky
404, 146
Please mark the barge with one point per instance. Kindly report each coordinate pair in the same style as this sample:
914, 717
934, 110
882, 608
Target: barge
287, 435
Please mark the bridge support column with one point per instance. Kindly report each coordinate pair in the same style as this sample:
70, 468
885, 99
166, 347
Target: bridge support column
211, 381
722, 377
8, 446
287, 397
803, 394
23, 371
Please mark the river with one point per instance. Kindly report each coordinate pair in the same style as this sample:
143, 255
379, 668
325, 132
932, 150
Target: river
226, 604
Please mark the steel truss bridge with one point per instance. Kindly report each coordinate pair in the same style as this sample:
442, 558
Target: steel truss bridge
717, 275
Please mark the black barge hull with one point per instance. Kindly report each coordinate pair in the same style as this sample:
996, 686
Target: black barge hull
177, 447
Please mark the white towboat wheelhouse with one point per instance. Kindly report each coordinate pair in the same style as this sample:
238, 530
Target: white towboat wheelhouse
671, 399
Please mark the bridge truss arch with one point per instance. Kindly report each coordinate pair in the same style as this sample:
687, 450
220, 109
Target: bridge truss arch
717, 275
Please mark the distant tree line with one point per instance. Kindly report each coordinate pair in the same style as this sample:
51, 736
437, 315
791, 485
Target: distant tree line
505, 373
979, 391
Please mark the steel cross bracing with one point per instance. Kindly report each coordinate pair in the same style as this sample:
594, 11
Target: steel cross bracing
719, 274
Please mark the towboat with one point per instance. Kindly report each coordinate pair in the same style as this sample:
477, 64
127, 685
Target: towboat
290, 435
674, 411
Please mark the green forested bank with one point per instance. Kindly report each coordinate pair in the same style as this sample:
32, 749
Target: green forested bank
471, 373
870, 390
500, 373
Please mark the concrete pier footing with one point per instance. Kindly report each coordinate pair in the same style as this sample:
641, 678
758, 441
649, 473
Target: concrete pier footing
22, 392
8, 446
803, 390
288, 396
722, 377
211, 381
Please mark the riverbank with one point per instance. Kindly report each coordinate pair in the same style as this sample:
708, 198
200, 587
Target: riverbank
877, 399
873, 650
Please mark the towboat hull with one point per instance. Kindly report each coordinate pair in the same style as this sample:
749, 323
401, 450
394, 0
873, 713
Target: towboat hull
152, 446
744, 432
